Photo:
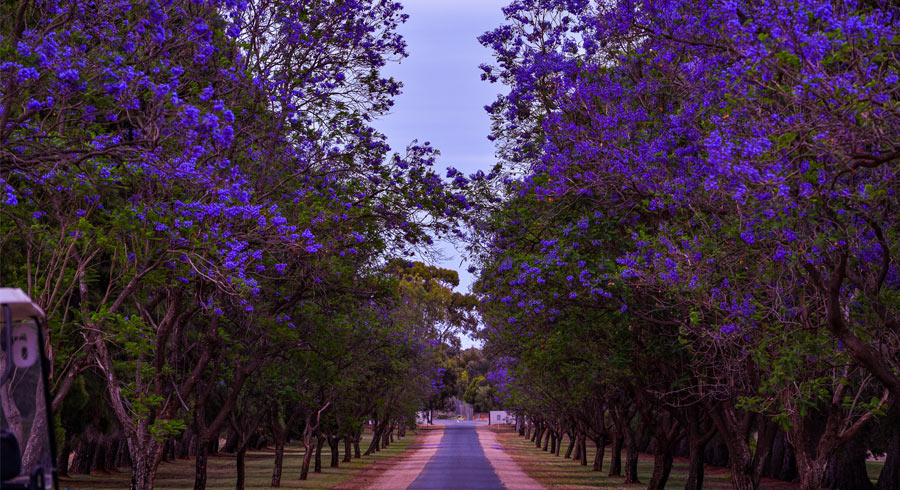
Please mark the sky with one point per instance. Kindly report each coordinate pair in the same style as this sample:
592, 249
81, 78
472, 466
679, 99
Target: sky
443, 96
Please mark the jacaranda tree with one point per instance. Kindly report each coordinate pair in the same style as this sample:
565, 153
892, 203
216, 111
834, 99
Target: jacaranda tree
743, 157
176, 174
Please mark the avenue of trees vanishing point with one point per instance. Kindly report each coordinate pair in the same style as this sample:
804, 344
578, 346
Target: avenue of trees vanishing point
688, 243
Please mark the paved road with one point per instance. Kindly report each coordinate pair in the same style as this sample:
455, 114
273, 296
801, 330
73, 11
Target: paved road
459, 462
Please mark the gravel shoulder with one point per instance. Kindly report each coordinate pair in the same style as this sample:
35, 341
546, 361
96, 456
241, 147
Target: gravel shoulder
509, 472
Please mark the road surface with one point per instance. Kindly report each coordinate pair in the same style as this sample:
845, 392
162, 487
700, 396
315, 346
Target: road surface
459, 462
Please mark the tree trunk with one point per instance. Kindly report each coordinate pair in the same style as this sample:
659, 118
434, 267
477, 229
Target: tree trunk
334, 444
98, 460
662, 466
31, 452
631, 460
84, 455
811, 467
231, 442
846, 470
695, 465
145, 461
123, 457
746, 466
739, 457
570, 447
632, 445
356, 452
308, 432
598, 458
811, 477
716, 453
385, 440
239, 462
347, 444
207, 435
112, 449
320, 441
376, 438
182, 447
583, 451
62, 459
279, 462
213, 443
279, 429
667, 433
615, 463
775, 463
200, 464
577, 447
192, 449
742, 482
789, 465
559, 439
307, 456
166, 456
889, 478
142, 474
552, 443
547, 437
169, 450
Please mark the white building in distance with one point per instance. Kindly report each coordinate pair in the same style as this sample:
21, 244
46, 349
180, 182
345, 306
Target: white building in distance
501, 417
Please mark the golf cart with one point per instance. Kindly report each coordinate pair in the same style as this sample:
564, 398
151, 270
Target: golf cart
27, 442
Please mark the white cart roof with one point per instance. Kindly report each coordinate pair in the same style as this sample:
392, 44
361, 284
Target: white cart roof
19, 304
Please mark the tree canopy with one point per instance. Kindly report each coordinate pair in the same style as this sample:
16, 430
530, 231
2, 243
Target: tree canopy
696, 227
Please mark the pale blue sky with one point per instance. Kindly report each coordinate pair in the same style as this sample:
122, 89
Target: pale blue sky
443, 97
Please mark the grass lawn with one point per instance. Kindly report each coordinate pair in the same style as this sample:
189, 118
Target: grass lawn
873, 468
558, 472
222, 472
